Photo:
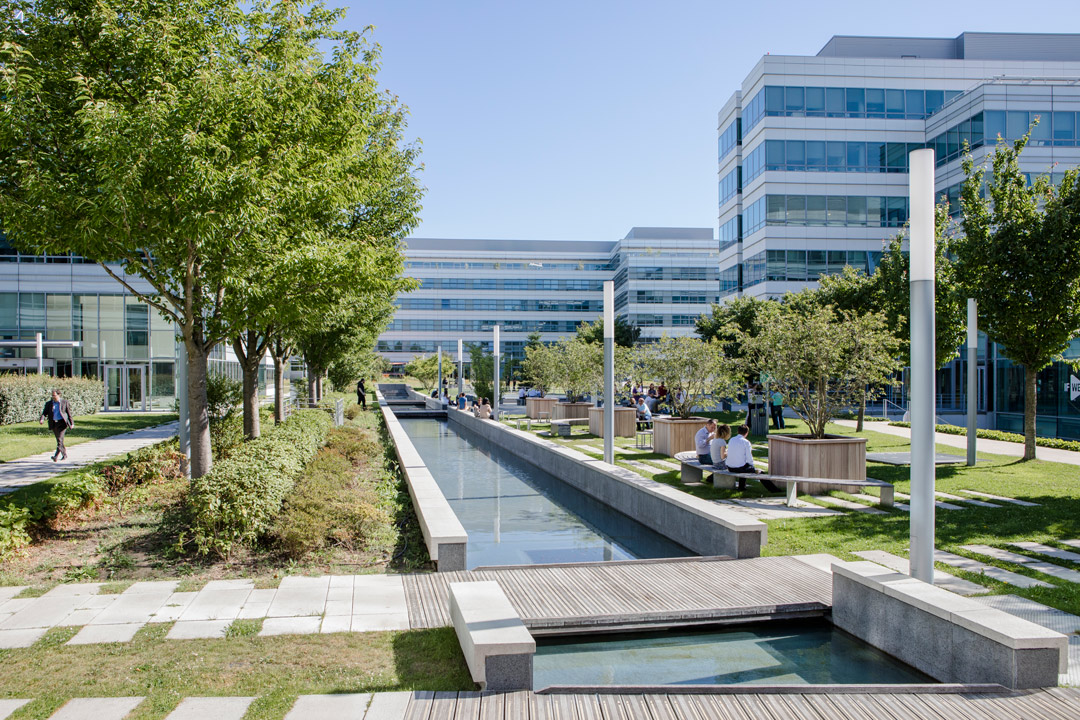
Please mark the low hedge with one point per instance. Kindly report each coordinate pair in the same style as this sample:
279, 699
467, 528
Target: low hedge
238, 501
23, 396
1056, 443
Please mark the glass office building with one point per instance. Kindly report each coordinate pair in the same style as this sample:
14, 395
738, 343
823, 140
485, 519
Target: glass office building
812, 167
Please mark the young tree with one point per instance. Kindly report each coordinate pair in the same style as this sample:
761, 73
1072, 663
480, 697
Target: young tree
425, 368
730, 321
822, 361
1020, 259
626, 334
692, 369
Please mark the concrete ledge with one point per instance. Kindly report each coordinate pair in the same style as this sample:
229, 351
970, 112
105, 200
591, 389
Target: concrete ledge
444, 535
497, 646
701, 526
947, 636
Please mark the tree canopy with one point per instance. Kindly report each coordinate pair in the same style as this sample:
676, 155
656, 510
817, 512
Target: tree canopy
626, 334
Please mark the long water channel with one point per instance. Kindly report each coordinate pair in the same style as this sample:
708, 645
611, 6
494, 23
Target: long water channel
516, 514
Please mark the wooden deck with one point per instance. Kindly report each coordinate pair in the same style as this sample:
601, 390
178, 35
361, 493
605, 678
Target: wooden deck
1053, 704
635, 592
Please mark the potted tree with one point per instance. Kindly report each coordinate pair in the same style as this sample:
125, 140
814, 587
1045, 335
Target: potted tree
693, 370
542, 368
823, 362
577, 363
625, 417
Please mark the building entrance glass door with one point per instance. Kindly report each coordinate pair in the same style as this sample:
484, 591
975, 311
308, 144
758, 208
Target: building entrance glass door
125, 388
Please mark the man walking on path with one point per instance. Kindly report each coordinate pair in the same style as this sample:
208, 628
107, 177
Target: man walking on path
58, 411
361, 394
777, 410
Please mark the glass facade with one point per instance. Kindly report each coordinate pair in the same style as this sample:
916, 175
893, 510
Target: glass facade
731, 185
803, 265
836, 102
730, 137
825, 210
1052, 128
731, 232
827, 156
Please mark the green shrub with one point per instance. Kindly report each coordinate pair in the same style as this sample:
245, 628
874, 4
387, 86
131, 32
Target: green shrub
14, 524
18, 514
352, 411
239, 499
355, 444
23, 396
222, 394
154, 464
71, 494
1055, 443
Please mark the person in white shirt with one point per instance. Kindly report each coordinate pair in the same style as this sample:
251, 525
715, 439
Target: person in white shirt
718, 446
701, 442
644, 414
740, 459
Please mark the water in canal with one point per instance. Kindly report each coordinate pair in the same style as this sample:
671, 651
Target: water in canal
778, 653
516, 514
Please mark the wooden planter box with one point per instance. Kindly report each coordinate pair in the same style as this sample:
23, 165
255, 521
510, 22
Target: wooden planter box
570, 411
536, 405
674, 435
833, 456
625, 421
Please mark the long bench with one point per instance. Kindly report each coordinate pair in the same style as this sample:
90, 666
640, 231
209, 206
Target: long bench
564, 427
693, 471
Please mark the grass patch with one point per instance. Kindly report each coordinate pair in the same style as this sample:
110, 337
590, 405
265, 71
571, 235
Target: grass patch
244, 628
274, 669
29, 438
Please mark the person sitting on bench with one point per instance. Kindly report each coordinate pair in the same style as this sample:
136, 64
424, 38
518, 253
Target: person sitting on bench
644, 415
740, 459
718, 446
701, 442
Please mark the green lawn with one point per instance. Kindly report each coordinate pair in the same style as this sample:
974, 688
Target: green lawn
274, 669
29, 438
1054, 486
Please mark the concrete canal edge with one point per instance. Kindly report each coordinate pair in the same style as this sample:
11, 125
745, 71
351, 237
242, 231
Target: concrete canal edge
444, 534
698, 525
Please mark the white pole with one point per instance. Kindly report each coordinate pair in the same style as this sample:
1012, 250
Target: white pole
182, 395
40, 356
460, 375
495, 400
972, 379
609, 371
923, 334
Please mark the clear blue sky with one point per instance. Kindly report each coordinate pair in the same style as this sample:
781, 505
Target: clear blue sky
576, 120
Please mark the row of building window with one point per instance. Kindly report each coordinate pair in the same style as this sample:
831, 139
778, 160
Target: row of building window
804, 265
660, 298
538, 265
650, 320
731, 232
797, 101
38, 312
827, 156
496, 305
517, 284
730, 138
730, 185
1053, 128
820, 210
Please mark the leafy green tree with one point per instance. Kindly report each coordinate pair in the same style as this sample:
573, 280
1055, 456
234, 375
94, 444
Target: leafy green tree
692, 369
425, 368
482, 372
729, 322
1019, 258
150, 138
820, 359
626, 334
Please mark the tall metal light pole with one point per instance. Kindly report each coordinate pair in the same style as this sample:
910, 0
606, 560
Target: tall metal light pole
609, 371
972, 378
923, 336
496, 399
460, 376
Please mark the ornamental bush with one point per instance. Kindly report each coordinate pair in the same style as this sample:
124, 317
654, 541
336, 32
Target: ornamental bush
239, 500
23, 396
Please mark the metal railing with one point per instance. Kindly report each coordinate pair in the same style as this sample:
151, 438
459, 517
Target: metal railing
336, 408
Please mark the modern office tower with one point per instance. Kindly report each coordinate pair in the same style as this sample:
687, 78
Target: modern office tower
813, 162
664, 278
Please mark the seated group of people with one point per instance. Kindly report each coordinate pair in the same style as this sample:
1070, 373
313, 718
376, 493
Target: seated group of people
653, 392
528, 393
481, 408
715, 446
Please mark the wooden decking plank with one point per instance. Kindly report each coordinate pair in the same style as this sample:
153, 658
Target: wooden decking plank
520, 706
789, 707
444, 705
492, 706
660, 707
723, 707
1044, 706
468, 706
419, 705
846, 707
689, 707
587, 707
894, 706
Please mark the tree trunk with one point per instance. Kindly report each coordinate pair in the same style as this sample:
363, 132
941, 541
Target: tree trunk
862, 413
312, 387
250, 352
1030, 376
198, 414
280, 359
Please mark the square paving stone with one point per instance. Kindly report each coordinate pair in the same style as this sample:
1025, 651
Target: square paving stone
329, 707
257, 604
15, 605
388, 705
197, 629
41, 612
138, 608
341, 581
339, 607
93, 634
73, 589
9, 706
10, 591
336, 623
298, 602
303, 582
211, 708
82, 616
97, 708
291, 625
156, 587
216, 604
380, 622
174, 607
20, 638
237, 584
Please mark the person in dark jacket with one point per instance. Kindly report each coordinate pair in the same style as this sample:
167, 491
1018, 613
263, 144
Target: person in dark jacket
361, 394
58, 412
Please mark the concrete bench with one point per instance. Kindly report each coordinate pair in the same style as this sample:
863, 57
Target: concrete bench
953, 639
563, 427
497, 646
693, 471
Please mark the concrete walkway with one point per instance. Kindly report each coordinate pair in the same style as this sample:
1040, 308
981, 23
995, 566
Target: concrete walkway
996, 447
35, 468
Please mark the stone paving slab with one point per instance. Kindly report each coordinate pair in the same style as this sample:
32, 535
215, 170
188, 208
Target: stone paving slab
969, 501
938, 503
9, 706
93, 634
776, 508
1071, 543
989, 571
849, 505
668, 464
330, 707
388, 706
821, 561
10, 591
15, 605
298, 603
73, 589
96, 708
1048, 551
380, 622
290, 625
336, 623
135, 607
1044, 567
173, 607
23, 638
217, 602
153, 587
642, 467
81, 616
904, 458
41, 612
375, 594
1014, 501
198, 629
941, 579
211, 708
